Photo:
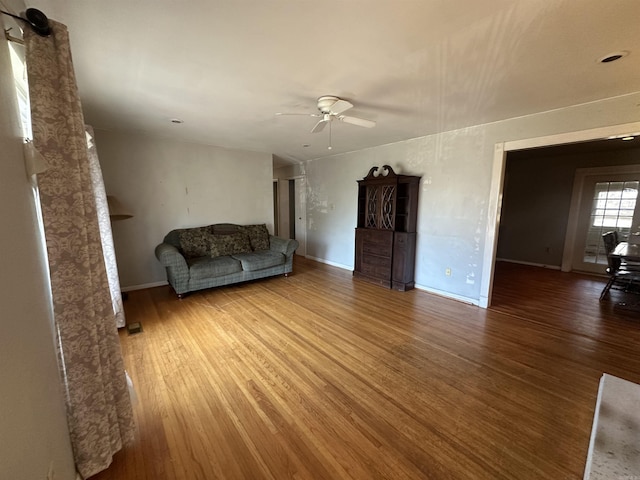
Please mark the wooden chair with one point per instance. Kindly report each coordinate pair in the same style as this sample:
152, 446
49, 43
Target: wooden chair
620, 273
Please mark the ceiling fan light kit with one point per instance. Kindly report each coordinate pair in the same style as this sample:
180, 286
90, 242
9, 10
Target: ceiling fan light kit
331, 108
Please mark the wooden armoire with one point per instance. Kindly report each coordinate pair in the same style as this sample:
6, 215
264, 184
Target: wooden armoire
386, 230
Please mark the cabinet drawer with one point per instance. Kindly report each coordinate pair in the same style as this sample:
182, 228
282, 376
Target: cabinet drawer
376, 248
376, 261
377, 242
377, 236
374, 254
378, 271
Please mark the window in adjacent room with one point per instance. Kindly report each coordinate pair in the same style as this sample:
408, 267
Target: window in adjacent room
613, 208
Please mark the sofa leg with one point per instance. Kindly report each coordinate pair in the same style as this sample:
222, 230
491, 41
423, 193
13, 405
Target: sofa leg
286, 274
181, 295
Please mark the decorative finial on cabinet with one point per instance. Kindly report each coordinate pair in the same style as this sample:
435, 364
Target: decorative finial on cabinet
384, 171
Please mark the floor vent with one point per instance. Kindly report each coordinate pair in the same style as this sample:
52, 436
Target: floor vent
134, 328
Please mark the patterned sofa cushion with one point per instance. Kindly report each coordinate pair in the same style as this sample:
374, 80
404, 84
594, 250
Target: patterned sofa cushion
194, 242
258, 235
229, 244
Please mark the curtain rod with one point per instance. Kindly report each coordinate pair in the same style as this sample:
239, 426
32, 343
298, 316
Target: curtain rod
13, 39
33, 17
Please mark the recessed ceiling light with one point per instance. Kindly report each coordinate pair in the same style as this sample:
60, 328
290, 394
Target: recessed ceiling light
612, 57
626, 139
177, 120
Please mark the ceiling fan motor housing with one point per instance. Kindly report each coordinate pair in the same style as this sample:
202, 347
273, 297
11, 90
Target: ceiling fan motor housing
326, 102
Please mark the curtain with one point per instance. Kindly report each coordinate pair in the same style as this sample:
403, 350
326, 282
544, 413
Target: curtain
106, 236
99, 409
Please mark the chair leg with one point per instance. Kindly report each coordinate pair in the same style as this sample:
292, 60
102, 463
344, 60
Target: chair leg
607, 287
629, 287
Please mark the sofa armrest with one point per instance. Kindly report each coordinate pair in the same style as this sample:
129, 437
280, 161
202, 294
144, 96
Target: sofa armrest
171, 257
176, 266
283, 245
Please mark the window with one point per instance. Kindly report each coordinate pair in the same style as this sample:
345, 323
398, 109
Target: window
613, 208
19, 67
614, 204
22, 87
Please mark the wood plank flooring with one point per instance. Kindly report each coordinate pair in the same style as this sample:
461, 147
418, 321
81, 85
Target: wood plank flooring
320, 376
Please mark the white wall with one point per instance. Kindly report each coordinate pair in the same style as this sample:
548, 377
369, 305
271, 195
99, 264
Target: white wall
168, 184
456, 169
33, 428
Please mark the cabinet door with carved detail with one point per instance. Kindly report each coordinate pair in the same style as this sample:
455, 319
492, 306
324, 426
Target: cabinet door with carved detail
385, 229
388, 206
372, 218
380, 206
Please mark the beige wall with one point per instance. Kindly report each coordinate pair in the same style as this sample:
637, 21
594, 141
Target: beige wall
169, 184
33, 428
455, 194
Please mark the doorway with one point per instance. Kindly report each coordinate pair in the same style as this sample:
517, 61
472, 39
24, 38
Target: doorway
497, 187
292, 218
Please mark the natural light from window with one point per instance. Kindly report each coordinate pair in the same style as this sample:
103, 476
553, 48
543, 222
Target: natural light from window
22, 87
614, 204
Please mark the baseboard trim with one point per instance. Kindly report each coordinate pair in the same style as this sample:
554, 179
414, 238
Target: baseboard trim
440, 293
327, 262
531, 264
144, 285
451, 296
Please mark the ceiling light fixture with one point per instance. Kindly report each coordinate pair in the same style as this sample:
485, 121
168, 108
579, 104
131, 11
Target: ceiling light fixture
626, 139
612, 57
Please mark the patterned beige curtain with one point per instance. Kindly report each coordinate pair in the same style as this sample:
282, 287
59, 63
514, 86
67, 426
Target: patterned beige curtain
98, 404
104, 222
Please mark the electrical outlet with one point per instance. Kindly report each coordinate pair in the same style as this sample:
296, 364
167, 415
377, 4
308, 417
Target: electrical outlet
447, 272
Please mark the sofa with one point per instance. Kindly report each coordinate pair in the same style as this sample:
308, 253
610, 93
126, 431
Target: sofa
222, 254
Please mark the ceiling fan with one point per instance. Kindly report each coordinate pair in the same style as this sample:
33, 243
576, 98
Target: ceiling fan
332, 108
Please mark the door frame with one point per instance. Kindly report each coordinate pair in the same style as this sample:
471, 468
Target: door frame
574, 211
286, 206
276, 206
300, 207
497, 187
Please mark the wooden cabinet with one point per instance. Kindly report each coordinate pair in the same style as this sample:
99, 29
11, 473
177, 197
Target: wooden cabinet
386, 230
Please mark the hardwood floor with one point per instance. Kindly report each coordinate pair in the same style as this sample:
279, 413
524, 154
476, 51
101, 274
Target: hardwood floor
320, 376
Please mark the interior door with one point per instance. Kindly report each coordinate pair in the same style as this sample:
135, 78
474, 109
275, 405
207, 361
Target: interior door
300, 199
608, 202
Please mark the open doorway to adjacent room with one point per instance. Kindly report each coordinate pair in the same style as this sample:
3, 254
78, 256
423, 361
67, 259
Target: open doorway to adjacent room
534, 185
292, 210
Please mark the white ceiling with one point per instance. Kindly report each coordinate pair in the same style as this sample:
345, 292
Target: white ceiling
416, 67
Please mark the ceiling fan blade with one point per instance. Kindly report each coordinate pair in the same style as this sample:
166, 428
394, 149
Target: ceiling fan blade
319, 126
340, 106
361, 122
280, 114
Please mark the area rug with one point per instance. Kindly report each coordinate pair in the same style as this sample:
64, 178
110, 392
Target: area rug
614, 450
